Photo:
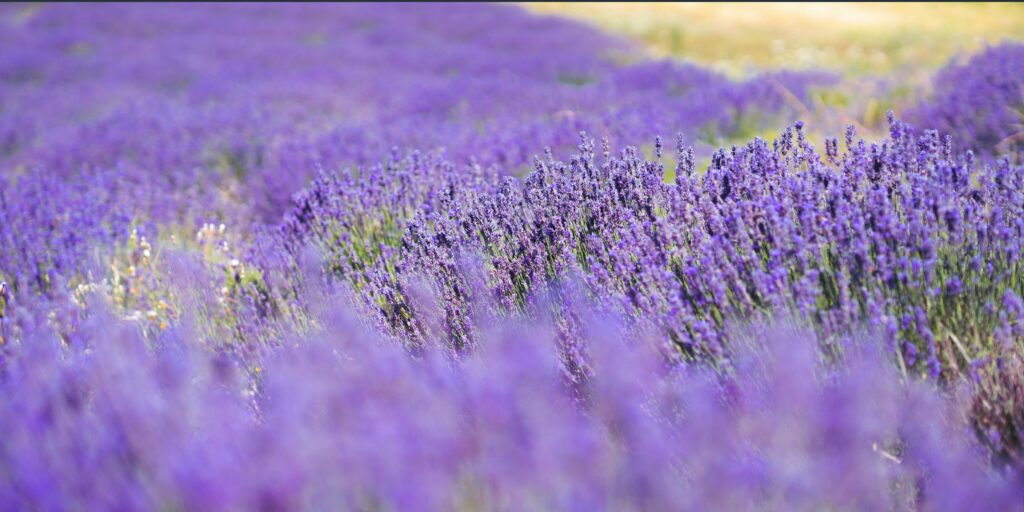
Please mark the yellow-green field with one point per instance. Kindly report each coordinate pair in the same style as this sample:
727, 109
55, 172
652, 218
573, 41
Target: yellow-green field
887, 52
854, 38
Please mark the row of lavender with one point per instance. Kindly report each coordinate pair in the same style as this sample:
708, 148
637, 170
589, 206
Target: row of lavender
922, 242
907, 242
339, 417
265, 94
431, 332
906, 236
243, 137
213, 113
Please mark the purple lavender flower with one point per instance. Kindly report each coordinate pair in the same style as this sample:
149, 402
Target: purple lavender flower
979, 103
342, 417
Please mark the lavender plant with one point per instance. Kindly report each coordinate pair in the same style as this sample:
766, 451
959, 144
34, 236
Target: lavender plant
255, 97
904, 234
51, 228
980, 102
341, 418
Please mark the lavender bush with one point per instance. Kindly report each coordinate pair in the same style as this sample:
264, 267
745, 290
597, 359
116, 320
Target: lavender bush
905, 234
980, 102
341, 418
261, 95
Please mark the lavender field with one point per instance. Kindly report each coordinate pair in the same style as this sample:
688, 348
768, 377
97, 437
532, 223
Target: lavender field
400, 257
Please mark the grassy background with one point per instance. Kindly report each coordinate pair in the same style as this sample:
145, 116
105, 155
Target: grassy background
853, 38
886, 52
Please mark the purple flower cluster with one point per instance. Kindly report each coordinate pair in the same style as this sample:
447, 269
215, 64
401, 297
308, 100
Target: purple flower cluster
980, 102
904, 235
253, 98
340, 418
49, 230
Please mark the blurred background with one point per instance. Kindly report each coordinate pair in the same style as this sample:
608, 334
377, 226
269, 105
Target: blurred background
849, 37
884, 54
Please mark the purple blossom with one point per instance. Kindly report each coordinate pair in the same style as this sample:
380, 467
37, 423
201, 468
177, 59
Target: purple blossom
980, 103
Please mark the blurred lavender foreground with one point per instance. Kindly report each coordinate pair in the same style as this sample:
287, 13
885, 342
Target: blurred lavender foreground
471, 306
343, 419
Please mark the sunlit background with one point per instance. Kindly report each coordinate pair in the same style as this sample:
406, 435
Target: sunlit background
885, 53
851, 37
